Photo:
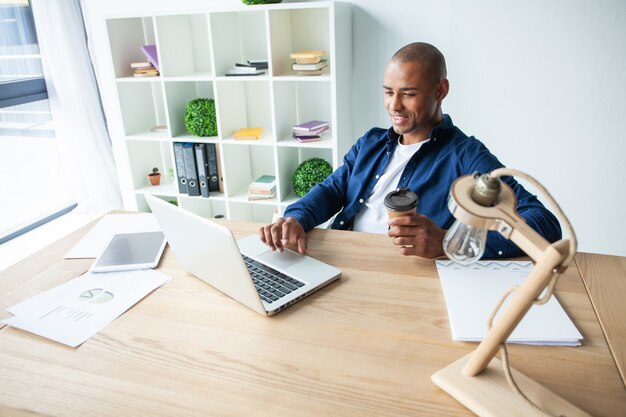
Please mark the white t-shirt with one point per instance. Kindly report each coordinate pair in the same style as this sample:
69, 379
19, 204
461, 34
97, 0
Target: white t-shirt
372, 218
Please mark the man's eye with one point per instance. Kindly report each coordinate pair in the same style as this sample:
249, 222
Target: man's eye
388, 93
409, 95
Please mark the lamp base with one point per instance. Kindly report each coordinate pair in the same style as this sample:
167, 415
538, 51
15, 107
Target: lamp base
489, 393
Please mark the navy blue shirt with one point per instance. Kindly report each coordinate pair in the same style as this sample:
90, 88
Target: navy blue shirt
429, 173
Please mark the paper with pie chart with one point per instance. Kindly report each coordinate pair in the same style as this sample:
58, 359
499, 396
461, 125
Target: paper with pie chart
75, 311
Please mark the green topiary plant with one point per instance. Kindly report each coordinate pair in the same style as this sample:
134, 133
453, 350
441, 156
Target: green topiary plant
200, 118
310, 172
252, 2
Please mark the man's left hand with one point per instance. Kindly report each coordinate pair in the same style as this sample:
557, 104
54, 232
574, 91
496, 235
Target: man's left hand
417, 235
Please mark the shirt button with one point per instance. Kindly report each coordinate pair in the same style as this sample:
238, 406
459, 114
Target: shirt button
500, 252
377, 176
341, 222
361, 200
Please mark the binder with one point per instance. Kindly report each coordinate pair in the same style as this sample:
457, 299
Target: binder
220, 179
202, 165
180, 167
193, 189
212, 174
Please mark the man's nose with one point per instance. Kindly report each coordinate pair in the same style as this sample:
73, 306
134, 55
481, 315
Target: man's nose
395, 103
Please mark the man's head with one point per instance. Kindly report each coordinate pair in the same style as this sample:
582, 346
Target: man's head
415, 84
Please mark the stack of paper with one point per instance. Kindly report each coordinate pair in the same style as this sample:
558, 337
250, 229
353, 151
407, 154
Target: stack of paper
73, 312
472, 291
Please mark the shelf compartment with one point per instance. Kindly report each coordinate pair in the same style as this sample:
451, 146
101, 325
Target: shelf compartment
207, 208
184, 46
244, 164
297, 30
288, 159
144, 155
253, 212
298, 102
244, 104
126, 37
178, 95
237, 37
142, 108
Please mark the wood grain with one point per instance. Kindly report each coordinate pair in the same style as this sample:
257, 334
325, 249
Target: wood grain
604, 277
365, 345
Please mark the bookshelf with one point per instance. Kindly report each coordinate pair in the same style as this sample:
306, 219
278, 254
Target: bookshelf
195, 50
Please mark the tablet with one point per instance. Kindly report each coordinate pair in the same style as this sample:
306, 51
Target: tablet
128, 251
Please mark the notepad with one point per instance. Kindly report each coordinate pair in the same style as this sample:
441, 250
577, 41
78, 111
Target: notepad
472, 291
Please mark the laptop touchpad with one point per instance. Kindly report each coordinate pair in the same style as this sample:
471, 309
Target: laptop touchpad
285, 259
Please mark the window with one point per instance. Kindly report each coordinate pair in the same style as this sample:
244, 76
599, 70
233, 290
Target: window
32, 183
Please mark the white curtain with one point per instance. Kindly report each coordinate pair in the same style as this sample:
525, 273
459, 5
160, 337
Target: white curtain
87, 155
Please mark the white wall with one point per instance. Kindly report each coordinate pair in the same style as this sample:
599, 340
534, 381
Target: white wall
541, 83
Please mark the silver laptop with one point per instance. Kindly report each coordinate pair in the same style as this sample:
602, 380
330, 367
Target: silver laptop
246, 270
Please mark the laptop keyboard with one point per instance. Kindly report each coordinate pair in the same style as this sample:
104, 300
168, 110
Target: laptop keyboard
270, 284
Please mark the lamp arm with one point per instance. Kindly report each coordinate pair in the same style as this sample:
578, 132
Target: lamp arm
501, 172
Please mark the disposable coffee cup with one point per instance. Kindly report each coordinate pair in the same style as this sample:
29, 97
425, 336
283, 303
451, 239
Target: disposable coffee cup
400, 203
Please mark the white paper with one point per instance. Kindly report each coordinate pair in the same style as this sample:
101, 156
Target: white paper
94, 242
73, 312
472, 291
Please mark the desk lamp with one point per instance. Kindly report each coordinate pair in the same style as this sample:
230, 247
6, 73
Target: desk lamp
480, 203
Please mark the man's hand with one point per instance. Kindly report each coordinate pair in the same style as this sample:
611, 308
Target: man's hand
417, 235
284, 231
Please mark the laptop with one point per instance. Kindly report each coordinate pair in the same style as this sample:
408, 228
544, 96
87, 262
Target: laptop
246, 270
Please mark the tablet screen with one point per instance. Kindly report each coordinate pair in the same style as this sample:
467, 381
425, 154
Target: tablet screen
131, 251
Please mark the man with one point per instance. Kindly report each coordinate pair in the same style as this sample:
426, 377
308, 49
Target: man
422, 151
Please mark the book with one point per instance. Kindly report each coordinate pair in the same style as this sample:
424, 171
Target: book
140, 64
151, 55
308, 60
264, 182
307, 139
313, 72
310, 67
244, 71
297, 132
248, 133
311, 125
258, 66
260, 197
308, 55
258, 62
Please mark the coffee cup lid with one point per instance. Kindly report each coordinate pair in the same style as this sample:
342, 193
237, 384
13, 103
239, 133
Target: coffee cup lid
401, 200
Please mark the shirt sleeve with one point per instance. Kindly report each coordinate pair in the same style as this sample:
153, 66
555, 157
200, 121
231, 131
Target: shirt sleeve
326, 198
529, 208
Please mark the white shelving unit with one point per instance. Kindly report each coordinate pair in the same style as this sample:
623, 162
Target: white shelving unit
195, 49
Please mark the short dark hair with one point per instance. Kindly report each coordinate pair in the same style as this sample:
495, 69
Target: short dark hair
426, 54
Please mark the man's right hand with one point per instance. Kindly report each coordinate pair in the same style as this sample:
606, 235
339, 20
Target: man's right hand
282, 232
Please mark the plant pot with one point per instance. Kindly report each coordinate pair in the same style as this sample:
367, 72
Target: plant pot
155, 179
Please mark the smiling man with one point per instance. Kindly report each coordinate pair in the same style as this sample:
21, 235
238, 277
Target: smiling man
422, 151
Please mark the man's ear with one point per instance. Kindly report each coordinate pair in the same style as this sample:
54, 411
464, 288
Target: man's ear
442, 90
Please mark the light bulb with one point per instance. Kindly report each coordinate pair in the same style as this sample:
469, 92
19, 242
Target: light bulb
464, 244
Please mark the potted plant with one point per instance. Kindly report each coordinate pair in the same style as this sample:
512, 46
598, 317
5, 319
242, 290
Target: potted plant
155, 176
310, 172
200, 117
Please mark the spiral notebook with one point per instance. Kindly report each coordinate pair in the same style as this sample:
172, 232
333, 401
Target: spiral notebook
472, 291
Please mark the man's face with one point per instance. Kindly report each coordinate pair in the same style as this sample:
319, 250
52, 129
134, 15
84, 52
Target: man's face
412, 99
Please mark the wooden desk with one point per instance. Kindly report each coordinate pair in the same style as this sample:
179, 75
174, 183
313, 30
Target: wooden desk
364, 346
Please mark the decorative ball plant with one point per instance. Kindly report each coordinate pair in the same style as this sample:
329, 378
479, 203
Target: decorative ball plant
310, 172
200, 118
252, 2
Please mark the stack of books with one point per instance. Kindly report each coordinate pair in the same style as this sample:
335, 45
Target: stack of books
309, 62
310, 131
251, 67
143, 69
262, 188
148, 68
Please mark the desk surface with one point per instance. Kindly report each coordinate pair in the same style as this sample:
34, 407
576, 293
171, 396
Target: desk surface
364, 346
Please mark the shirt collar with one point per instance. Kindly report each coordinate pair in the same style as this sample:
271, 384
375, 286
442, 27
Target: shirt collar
392, 136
